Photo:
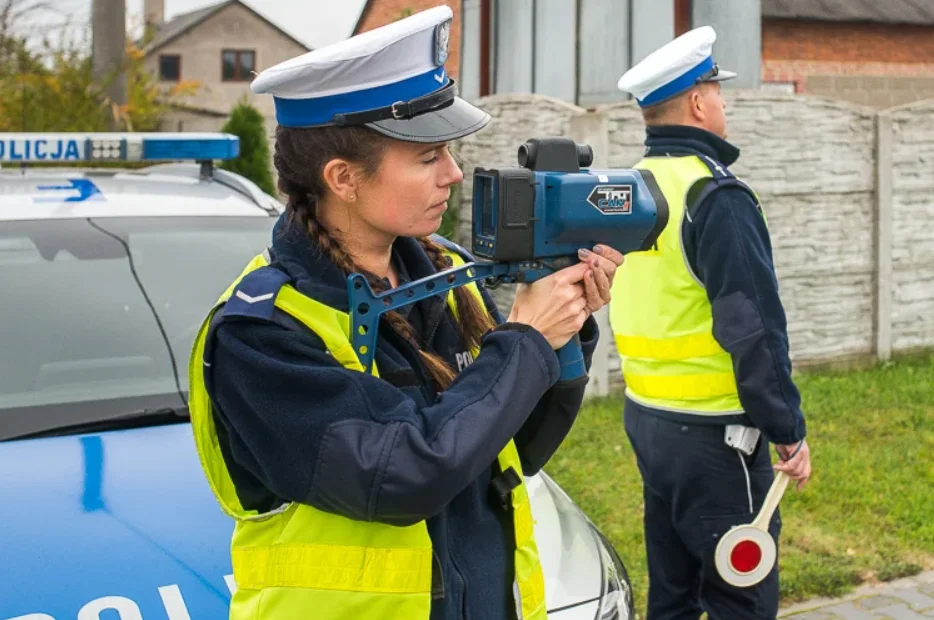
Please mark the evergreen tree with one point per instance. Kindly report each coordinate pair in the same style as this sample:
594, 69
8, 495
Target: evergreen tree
253, 162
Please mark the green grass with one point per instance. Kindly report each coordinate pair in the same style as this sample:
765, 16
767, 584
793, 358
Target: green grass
867, 514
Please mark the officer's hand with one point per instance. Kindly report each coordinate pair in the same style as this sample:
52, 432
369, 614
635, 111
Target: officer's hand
603, 262
554, 305
799, 467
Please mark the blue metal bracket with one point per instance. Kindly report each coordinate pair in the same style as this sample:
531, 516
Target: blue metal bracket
366, 307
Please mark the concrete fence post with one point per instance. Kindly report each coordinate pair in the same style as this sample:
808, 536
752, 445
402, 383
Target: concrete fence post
883, 225
592, 128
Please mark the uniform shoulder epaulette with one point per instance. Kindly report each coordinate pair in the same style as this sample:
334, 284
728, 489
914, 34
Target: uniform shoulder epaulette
718, 170
255, 295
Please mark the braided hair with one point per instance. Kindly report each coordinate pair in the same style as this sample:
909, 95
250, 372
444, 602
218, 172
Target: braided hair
300, 157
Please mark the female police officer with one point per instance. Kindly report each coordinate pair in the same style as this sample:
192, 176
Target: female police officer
396, 494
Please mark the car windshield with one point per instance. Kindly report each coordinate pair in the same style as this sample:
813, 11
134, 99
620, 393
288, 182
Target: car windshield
99, 315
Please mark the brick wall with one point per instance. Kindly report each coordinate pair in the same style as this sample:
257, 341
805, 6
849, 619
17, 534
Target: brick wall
846, 41
880, 65
378, 13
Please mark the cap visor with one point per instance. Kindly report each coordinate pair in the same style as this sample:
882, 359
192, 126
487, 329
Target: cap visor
455, 121
723, 76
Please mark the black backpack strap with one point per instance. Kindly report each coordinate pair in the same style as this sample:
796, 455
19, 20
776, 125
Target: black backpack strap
701, 190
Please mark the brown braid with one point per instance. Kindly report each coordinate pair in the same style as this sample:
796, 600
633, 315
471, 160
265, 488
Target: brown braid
300, 157
473, 321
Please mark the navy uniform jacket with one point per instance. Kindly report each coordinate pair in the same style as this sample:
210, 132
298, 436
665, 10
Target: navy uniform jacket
727, 245
295, 425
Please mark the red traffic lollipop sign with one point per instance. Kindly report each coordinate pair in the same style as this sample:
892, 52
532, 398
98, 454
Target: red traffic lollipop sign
746, 554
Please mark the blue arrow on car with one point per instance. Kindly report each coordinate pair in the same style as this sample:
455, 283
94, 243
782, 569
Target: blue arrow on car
86, 191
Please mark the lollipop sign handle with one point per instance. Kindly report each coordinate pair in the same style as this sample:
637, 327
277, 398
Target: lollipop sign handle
772, 500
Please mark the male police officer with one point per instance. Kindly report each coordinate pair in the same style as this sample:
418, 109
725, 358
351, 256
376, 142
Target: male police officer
701, 333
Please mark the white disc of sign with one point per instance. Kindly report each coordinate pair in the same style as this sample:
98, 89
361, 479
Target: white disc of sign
746, 554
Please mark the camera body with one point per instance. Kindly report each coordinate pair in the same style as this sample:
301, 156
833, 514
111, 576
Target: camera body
553, 204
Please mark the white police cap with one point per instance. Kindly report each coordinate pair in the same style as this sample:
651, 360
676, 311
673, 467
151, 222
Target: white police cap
391, 79
675, 68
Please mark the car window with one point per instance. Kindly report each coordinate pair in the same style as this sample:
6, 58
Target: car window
77, 321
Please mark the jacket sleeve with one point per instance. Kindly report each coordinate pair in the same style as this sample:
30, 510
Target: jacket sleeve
732, 256
352, 444
552, 418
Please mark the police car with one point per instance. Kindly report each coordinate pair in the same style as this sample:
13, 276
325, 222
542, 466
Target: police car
105, 277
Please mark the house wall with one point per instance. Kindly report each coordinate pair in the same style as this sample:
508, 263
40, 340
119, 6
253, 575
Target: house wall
382, 12
200, 49
880, 65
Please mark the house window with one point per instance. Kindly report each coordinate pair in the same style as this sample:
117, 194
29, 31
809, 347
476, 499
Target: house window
170, 67
237, 65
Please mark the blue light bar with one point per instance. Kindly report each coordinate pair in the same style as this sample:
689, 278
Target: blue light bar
116, 147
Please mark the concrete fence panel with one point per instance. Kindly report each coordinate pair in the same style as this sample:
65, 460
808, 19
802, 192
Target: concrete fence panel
848, 192
912, 226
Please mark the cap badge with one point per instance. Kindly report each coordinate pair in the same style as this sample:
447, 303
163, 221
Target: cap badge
442, 41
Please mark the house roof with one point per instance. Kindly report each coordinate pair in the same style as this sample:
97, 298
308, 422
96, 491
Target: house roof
917, 12
180, 24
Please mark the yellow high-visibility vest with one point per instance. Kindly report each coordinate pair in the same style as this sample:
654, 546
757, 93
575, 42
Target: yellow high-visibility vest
300, 562
661, 318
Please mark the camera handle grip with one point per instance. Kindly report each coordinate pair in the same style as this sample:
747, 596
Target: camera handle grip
571, 359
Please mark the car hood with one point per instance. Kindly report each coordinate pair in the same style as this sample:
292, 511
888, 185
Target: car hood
120, 520
125, 521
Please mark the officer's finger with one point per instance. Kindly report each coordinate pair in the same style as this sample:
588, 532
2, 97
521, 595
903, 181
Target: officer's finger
592, 292
603, 285
804, 480
575, 308
574, 273
599, 262
792, 468
805, 477
798, 468
609, 253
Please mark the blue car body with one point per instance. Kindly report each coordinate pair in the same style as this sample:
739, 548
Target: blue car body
122, 520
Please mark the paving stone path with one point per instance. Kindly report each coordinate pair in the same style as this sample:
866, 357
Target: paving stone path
905, 599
